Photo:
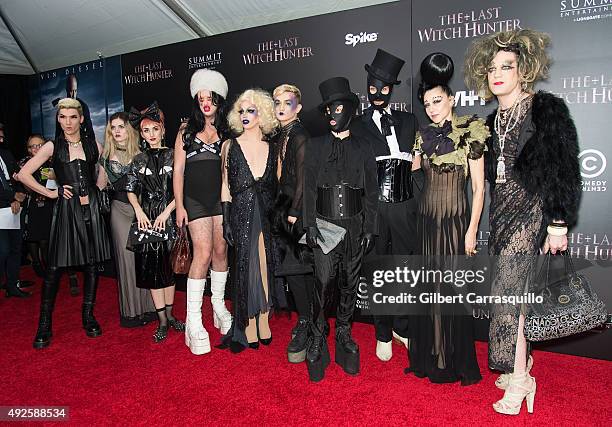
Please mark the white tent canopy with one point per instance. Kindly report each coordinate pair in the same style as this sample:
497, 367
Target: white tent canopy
41, 35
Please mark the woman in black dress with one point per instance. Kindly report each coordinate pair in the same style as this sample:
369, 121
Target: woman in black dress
450, 150
38, 210
150, 176
78, 233
120, 147
532, 168
197, 191
249, 188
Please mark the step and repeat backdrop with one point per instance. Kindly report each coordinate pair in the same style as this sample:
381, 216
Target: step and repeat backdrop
307, 51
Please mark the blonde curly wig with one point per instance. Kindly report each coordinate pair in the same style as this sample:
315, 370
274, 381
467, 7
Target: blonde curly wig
265, 110
530, 48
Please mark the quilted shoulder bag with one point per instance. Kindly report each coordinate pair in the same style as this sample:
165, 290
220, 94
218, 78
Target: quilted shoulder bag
566, 306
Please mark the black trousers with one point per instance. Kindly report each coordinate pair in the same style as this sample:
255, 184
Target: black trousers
340, 268
301, 287
10, 256
397, 235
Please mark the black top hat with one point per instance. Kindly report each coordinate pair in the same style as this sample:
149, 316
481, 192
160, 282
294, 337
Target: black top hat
385, 67
336, 89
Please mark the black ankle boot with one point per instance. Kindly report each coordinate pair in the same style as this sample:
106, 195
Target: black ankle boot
317, 357
347, 350
90, 324
296, 350
43, 333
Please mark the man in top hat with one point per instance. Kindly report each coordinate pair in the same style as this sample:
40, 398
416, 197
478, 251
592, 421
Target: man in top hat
391, 134
339, 205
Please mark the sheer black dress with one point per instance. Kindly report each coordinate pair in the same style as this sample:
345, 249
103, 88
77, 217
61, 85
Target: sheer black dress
442, 345
252, 200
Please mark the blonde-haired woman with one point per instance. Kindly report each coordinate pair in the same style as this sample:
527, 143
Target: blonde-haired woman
120, 147
248, 191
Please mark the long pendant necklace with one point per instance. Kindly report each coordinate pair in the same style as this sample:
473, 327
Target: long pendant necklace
502, 134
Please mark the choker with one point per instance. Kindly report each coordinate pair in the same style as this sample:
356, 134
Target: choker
74, 144
120, 148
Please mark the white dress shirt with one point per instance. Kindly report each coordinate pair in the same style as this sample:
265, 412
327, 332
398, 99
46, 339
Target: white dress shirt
391, 139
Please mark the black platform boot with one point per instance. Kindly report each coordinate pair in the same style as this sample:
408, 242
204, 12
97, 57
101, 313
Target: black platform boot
90, 285
296, 350
43, 333
317, 354
347, 350
47, 302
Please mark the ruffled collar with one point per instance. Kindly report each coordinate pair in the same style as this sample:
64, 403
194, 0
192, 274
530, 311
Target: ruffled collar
436, 141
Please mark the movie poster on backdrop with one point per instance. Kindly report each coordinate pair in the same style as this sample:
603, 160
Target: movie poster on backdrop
302, 52
580, 74
96, 84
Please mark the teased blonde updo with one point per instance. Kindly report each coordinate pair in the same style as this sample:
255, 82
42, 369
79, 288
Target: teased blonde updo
265, 111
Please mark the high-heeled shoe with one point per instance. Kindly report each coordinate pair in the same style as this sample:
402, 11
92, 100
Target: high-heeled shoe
161, 333
520, 387
264, 341
177, 325
502, 381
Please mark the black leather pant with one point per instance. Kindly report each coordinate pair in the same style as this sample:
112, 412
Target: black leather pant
339, 269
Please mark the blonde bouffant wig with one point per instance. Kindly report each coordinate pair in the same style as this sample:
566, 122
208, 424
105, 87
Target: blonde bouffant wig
530, 48
265, 110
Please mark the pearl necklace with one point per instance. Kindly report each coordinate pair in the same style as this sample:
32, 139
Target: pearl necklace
74, 144
502, 133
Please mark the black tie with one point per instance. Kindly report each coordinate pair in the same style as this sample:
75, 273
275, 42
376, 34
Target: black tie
386, 121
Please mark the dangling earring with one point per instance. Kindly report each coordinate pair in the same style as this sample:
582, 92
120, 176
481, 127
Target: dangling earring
524, 86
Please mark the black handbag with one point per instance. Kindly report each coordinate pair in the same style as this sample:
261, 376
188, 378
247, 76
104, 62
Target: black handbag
567, 306
104, 200
139, 237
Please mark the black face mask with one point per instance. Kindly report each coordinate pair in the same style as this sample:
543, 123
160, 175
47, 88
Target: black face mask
342, 119
378, 96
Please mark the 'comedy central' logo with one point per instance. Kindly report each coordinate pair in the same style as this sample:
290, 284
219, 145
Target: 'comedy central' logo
592, 163
354, 39
362, 302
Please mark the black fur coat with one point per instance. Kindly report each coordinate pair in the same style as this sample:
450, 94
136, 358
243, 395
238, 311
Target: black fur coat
547, 164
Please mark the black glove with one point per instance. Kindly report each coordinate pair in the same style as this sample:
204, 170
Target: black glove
312, 234
226, 208
367, 242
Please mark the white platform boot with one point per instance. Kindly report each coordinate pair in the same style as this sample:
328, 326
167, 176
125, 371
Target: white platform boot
221, 316
196, 337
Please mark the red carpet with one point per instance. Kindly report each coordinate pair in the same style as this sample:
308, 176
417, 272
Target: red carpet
124, 378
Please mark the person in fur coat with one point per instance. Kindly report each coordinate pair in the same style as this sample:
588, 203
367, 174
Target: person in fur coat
532, 166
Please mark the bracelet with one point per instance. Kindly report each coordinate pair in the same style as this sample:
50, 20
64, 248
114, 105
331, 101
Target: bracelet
558, 224
556, 231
